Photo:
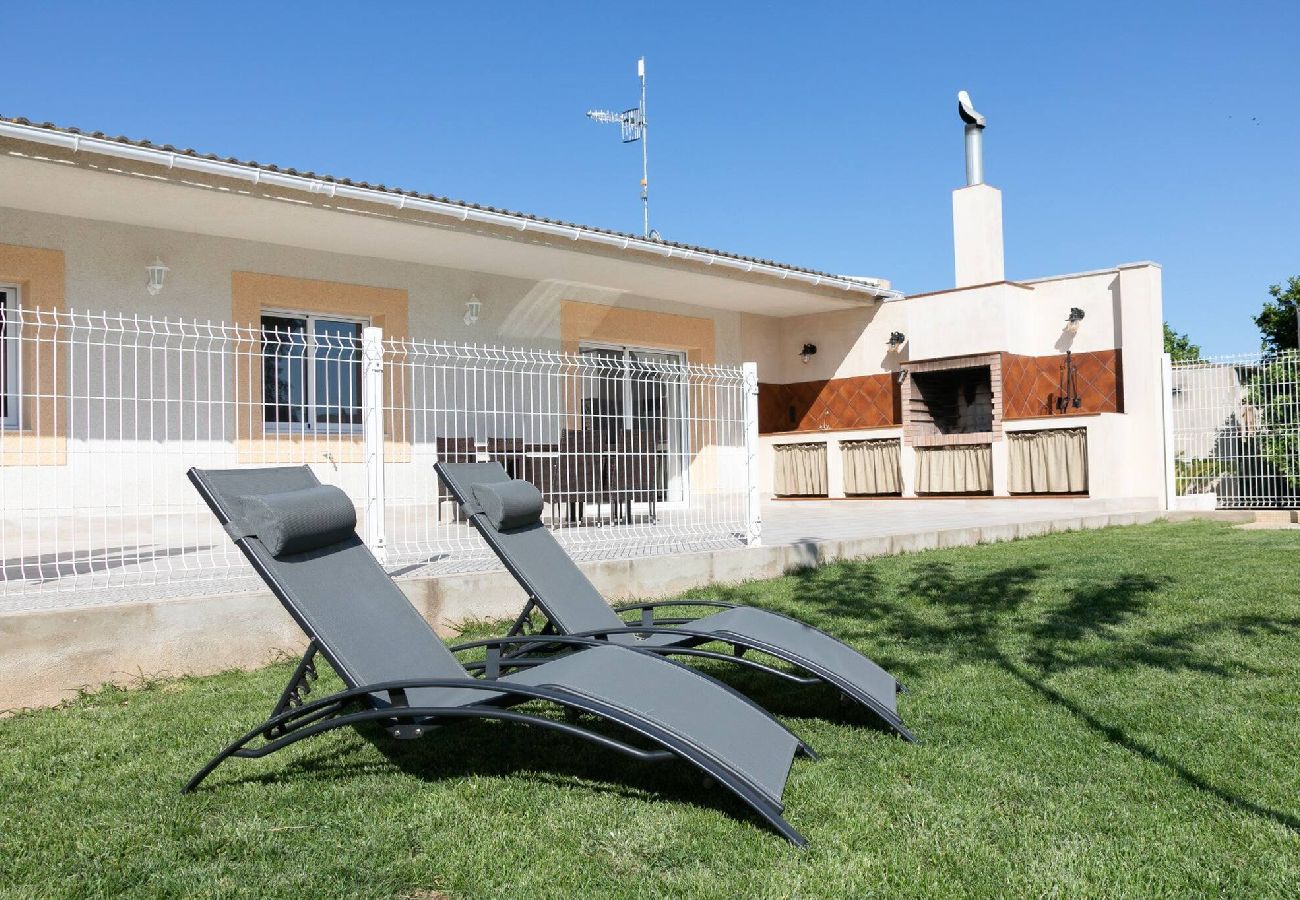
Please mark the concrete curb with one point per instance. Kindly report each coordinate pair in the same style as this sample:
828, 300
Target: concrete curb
52, 654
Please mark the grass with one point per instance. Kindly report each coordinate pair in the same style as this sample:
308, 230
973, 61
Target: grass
1105, 713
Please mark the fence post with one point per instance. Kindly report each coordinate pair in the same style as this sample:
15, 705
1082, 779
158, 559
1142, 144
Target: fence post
753, 512
1167, 411
372, 426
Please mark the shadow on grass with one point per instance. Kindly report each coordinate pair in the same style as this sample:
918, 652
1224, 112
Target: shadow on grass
940, 618
487, 749
948, 618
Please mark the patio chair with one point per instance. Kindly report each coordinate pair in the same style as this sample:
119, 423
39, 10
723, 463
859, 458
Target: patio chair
631, 473
579, 475
300, 537
455, 450
509, 451
572, 606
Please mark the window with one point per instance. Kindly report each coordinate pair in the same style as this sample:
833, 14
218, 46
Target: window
10, 326
311, 372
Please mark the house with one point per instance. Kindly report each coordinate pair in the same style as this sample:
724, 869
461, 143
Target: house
85, 216
995, 387
162, 308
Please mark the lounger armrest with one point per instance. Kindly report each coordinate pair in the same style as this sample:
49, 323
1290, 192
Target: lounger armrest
525, 639
652, 604
492, 665
647, 609
653, 629
342, 698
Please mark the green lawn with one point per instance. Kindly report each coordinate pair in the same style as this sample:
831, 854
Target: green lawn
1104, 713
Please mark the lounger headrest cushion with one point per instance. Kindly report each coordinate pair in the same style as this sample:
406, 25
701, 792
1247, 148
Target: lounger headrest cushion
509, 504
298, 521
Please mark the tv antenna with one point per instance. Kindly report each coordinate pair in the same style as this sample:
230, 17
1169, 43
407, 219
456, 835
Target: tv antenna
632, 127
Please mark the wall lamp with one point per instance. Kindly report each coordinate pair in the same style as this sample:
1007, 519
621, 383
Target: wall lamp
157, 274
473, 306
896, 340
1073, 319
807, 353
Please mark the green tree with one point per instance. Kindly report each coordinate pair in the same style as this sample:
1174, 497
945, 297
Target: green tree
1180, 346
1277, 320
1275, 393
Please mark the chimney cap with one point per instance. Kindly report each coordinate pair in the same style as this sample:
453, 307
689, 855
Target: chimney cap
966, 110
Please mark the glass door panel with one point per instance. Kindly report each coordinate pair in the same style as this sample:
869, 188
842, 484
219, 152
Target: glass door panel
635, 400
658, 412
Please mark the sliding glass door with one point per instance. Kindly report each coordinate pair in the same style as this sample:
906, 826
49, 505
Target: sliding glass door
637, 400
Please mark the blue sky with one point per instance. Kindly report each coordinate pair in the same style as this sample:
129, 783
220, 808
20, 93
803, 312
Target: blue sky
817, 134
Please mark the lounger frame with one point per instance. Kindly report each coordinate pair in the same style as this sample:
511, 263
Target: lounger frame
740, 644
293, 718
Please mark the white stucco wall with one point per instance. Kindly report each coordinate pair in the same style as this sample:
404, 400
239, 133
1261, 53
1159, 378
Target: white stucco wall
977, 235
105, 270
849, 342
1027, 318
1122, 309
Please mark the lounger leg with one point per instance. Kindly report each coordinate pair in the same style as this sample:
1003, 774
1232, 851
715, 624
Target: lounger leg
769, 811
212, 764
221, 757
846, 689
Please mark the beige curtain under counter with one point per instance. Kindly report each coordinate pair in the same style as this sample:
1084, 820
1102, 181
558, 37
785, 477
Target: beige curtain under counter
962, 469
800, 470
1048, 462
872, 467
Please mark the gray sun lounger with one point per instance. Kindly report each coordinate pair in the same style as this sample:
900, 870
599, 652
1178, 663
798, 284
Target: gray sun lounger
300, 537
572, 606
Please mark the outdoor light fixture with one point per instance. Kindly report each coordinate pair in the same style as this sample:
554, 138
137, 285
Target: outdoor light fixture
472, 308
1072, 321
807, 353
896, 340
157, 275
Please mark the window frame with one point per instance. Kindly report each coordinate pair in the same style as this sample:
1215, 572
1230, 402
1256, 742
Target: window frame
625, 360
12, 420
310, 425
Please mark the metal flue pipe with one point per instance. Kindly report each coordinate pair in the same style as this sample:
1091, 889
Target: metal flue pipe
974, 139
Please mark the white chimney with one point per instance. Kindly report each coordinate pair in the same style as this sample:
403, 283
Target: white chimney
976, 210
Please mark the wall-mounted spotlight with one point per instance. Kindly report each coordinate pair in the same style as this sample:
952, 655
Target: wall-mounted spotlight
473, 306
896, 340
807, 353
157, 274
1072, 321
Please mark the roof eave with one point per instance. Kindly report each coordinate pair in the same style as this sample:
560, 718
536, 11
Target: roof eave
457, 212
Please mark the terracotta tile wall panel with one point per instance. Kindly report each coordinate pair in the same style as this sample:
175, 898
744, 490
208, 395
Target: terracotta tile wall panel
1031, 384
866, 401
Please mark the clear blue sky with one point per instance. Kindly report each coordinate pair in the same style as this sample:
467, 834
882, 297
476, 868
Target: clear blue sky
817, 134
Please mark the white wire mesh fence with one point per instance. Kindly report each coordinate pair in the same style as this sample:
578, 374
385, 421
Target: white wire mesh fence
635, 452
1236, 429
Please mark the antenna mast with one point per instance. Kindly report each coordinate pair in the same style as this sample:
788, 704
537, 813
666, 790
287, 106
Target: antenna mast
632, 127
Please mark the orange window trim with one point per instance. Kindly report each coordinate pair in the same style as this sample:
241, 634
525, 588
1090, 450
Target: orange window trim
622, 326
43, 381
251, 293
594, 322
